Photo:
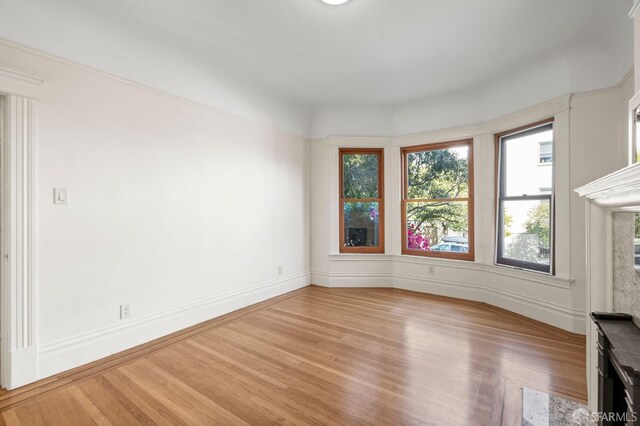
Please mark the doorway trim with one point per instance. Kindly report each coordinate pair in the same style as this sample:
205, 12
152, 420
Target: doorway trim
18, 350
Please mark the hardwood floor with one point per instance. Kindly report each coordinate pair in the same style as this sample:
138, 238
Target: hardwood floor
321, 356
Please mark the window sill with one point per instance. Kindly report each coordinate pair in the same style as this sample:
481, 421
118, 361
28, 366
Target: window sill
531, 275
441, 255
350, 257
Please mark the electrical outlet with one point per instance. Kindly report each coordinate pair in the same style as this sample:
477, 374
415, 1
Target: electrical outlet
125, 311
280, 270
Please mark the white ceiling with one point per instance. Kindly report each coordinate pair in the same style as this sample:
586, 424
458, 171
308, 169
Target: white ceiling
366, 53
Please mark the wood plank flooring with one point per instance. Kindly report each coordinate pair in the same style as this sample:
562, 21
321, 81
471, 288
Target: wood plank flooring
321, 356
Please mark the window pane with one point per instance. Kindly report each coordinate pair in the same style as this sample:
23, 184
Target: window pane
523, 170
526, 231
546, 152
360, 175
438, 226
361, 224
442, 173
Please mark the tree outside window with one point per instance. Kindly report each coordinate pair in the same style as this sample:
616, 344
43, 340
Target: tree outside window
361, 201
438, 200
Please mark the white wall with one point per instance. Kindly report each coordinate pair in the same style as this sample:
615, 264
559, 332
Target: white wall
598, 147
178, 209
590, 142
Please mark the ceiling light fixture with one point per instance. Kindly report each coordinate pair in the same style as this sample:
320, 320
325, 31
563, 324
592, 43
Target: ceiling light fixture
334, 2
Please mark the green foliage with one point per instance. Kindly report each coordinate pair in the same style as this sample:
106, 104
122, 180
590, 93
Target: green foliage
508, 222
437, 174
434, 175
538, 223
637, 224
360, 176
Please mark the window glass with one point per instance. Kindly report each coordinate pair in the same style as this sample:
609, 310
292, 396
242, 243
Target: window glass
438, 199
525, 199
360, 175
362, 224
361, 201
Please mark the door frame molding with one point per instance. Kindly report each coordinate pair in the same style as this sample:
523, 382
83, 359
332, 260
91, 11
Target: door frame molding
18, 349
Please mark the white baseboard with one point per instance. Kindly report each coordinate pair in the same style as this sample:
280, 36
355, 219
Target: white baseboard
540, 310
320, 278
563, 317
362, 280
23, 362
79, 350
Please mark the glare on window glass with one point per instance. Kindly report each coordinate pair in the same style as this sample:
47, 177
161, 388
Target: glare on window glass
525, 172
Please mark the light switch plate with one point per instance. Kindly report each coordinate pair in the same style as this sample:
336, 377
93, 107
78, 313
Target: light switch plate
60, 196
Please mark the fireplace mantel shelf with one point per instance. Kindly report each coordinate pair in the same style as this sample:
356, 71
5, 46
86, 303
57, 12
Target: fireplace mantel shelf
619, 189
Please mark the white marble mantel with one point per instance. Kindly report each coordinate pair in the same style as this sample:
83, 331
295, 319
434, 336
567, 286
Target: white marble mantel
619, 189
615, 192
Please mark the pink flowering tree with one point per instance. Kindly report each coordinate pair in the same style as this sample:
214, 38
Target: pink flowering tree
415, 238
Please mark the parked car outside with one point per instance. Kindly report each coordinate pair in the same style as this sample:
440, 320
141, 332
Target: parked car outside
451, 247
458, 240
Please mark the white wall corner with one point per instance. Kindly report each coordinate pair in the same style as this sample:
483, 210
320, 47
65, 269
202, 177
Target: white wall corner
320, 278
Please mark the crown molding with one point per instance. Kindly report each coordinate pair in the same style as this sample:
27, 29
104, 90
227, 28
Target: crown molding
19, 74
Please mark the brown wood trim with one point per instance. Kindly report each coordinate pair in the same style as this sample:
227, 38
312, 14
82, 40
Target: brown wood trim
497, 183
436, 200
470, 256
24, 393
436, 146
361, 200
379, 152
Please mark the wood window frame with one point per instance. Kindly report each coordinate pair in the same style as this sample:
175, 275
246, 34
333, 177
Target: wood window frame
470, 255
379, 152
500, 260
